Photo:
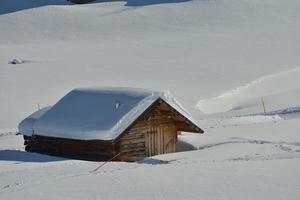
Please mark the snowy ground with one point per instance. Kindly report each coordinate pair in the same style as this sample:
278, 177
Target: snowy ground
217, 57
258, 161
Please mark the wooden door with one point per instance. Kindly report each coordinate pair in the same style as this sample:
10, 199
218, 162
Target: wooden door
160, 140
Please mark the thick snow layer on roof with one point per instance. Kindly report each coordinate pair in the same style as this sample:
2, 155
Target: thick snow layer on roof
26, 126
94, 113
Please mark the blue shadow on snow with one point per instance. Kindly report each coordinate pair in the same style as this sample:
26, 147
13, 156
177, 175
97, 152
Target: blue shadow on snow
21, 156
9, 6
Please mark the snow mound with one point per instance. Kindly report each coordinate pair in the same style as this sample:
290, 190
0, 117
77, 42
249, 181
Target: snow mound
249, 95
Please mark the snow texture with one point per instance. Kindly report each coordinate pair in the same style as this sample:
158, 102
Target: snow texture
95, 113
256, 161
283, 84
224, 55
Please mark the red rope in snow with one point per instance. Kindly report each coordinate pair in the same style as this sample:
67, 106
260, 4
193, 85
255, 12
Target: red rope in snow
106, 162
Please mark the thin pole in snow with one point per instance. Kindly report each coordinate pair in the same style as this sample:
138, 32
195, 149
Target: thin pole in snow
263, 104
38, 106
106, 162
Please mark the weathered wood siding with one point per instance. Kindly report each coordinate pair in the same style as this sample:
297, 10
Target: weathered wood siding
155, 133
90, 150
132, 144
140, 142
160, 140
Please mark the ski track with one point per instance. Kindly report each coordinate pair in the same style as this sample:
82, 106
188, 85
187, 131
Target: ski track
21, 185
237, 140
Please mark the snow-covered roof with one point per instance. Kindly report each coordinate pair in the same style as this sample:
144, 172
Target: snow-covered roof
95, 113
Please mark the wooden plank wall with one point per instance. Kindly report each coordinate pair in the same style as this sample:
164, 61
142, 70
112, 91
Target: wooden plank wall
90, 150
160, 140
155, 133
133, 143
149, 141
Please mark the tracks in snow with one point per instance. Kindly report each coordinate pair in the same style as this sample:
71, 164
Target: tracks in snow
238, 140
287, 150
30, 176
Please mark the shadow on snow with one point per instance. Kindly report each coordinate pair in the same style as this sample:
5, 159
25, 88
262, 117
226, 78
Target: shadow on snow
9, 6
21, 156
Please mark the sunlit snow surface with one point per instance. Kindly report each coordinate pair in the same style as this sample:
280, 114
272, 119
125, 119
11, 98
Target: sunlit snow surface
279, 88
198, 50
259, 161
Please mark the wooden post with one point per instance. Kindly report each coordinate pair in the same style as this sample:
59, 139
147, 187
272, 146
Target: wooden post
263, 104
105, 162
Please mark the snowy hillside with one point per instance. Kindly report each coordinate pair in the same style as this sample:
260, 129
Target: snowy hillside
196, 49
217, 57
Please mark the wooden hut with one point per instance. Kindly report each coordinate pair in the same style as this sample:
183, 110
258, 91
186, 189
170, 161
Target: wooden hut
101, 123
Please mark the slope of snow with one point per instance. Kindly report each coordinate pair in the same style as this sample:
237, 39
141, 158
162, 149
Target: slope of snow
198, 50
195, 49
277, 89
